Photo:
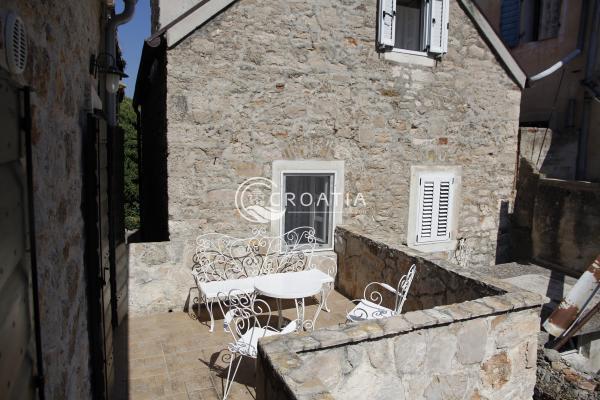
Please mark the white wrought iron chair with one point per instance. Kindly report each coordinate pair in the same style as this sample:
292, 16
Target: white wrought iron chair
370, 306
247, 320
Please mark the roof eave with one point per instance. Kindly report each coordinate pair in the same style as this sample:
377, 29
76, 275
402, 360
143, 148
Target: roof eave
497, 45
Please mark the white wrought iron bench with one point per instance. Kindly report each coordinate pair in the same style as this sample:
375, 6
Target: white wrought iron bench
223, 263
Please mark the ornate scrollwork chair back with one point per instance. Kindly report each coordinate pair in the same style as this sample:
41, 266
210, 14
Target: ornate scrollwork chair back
247, 319
371, 306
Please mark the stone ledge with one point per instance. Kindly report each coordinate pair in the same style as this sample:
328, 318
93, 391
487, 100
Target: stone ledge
388, 244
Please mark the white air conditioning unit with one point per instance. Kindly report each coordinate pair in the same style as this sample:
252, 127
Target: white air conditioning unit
13, 43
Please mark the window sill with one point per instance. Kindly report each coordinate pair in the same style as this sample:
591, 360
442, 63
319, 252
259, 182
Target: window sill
409, 57
433, 247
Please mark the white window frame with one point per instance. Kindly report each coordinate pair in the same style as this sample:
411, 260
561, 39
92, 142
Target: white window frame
411, 56
417, 173
309, 167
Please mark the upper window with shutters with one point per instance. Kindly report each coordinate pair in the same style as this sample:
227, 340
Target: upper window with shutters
433, 208
413, 26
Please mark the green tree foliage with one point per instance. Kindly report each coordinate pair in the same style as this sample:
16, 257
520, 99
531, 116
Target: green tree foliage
127, 122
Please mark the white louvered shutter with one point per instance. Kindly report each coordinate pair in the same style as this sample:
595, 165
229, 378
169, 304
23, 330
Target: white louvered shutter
438, 26
386, 34
436, 195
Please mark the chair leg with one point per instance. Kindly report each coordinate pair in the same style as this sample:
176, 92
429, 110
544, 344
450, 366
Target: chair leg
190, 309
209, 308
325, 295
237, 359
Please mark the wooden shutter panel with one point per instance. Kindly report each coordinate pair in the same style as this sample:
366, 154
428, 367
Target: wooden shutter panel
438, 26
549, 19
436, 194
386, 34
426, 213
510, 22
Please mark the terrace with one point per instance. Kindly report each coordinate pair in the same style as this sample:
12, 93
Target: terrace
460, 334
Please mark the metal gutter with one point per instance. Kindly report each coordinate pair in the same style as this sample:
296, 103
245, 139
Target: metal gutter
164, 29
110, 100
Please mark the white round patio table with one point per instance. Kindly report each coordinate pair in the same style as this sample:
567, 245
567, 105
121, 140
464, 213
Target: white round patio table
291, 285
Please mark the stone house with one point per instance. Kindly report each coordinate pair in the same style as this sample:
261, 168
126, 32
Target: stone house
60, 230
392, 100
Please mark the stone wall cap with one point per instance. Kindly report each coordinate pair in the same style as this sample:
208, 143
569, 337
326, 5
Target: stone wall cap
387, 243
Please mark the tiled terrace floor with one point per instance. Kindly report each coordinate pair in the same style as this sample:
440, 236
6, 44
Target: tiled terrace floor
171, 356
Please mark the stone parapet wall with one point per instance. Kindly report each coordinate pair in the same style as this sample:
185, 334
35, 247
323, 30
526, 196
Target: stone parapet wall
566, 225
478, 348
364, 258
301, 80
159, 276
485, 348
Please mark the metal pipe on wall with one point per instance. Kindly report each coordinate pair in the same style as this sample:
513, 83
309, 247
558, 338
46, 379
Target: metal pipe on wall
574, 303
110, 100
571, 56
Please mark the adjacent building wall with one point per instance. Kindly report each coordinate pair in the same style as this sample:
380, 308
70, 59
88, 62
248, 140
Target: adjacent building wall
546, 102
61, 38
302, 80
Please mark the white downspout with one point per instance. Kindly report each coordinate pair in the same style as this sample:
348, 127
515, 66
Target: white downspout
555, 67
571, 56
111, 49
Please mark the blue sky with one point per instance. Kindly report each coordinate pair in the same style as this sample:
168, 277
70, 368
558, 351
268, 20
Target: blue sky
131, 40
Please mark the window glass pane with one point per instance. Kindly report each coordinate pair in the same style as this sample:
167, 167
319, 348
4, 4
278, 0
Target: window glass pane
408, 25
308, 202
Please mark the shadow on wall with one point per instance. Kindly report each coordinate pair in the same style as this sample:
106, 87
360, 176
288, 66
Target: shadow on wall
555, 223
503, 239
150, 102
556, 220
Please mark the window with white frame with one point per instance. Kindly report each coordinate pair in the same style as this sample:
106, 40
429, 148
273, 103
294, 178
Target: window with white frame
309, 193
308, 202
433, 208
413, 26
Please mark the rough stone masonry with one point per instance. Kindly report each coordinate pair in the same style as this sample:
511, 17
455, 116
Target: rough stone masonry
301, 80
61, 38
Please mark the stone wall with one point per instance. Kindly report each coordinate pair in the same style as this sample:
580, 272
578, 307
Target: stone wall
481, 348
557, 380
61, 38
566, 224
364, 258
276, 80
551, 153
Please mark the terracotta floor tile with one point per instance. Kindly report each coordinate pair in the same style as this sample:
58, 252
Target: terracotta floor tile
141, 367
172, 356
